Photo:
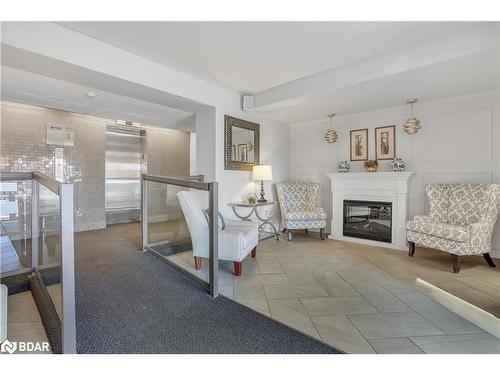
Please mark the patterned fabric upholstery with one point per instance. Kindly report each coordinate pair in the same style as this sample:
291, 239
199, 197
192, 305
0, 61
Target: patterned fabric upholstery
314, 214
461, 218
448, 231
298, 205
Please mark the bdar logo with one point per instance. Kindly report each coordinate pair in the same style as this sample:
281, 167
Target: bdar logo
8, 347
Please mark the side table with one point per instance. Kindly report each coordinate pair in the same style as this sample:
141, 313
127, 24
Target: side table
263, 221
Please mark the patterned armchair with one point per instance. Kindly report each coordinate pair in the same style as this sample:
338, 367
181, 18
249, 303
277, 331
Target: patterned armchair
299, 209
461, 220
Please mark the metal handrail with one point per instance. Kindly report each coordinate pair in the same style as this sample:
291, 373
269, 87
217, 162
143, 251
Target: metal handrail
6, 176
51, 184
188, 181
192, 182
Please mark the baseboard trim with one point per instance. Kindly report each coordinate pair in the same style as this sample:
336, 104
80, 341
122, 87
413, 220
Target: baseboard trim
481, 318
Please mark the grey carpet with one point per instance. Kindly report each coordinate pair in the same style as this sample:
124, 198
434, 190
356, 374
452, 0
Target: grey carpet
131, 302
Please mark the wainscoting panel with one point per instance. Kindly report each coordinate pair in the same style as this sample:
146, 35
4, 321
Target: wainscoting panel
310, 148
458, 136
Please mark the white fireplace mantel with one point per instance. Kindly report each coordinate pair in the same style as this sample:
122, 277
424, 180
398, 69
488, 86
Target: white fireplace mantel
371, 186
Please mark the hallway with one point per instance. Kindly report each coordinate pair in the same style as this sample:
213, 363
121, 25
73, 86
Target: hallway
130, 302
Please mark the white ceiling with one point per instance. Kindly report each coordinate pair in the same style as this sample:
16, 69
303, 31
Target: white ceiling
464, 76
29, 88
254, 56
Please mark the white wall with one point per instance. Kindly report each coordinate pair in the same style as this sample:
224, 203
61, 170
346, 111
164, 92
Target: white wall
274, 150
192, 153
458, 142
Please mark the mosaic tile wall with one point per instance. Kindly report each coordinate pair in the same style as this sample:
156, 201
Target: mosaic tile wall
23, 148
167, 155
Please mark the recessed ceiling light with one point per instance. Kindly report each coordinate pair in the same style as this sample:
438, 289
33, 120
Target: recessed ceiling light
91, 94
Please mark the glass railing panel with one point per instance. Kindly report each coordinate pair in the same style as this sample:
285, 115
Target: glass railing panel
179, 224
49, 244
15, 225
167, 229
37, 222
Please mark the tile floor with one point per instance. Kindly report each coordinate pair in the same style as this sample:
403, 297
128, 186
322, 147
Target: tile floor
363, 299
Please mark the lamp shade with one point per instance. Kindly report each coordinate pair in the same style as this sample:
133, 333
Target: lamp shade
262, 173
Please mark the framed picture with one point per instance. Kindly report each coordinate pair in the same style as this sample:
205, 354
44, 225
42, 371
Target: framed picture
385, 142
359, 145
233, 153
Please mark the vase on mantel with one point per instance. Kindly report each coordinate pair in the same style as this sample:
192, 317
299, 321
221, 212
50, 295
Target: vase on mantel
371, 165
343, 167
398, 165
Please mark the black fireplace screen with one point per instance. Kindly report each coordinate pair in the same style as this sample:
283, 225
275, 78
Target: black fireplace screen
368, 220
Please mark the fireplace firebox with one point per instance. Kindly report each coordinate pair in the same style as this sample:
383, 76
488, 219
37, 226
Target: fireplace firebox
367, 219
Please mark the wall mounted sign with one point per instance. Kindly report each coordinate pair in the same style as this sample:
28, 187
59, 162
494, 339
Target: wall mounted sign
60, 135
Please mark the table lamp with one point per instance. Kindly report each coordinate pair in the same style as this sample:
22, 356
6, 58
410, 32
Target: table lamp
262, 173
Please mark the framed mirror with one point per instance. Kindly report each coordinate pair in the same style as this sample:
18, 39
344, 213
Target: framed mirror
241, 144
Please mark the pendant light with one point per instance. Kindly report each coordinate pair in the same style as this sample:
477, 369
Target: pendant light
331, 135
412, 125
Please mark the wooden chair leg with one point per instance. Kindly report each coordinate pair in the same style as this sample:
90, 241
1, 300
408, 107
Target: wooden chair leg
237, 268
488, 259
322, 233
283, 230
456, 265
411, 248
307, 230
197, 263
254, 252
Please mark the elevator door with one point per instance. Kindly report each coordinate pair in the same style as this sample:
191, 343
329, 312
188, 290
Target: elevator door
123, 173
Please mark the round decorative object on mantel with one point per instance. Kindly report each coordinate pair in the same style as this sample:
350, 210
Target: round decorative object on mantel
331, 135
371, 165
398, 165
343, 167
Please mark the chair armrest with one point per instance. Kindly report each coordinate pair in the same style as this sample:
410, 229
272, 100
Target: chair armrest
480, 236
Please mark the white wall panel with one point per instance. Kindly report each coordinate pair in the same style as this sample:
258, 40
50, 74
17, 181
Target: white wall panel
458, 136
459, 142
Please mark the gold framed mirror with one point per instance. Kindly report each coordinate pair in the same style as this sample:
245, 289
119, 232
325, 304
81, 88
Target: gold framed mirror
241, 144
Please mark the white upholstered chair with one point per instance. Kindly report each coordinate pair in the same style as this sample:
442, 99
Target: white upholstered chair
460, 221
236, 238
299, 208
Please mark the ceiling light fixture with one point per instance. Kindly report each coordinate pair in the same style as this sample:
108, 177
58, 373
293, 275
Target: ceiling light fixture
412, 125
90, 94
331, 135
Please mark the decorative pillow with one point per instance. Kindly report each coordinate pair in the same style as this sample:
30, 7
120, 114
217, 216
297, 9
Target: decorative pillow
221, 222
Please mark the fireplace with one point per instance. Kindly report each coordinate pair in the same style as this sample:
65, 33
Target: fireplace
370, 220
368, 188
